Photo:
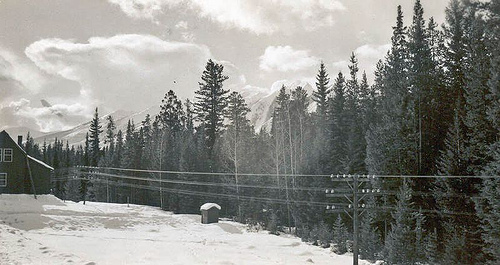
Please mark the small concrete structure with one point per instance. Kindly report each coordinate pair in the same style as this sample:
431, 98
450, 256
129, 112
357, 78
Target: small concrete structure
210, 213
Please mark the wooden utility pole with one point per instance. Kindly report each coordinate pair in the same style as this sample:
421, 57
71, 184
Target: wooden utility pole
355, 197
355, 201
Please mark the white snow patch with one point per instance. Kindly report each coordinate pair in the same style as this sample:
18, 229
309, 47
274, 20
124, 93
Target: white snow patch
50, 231
208, 206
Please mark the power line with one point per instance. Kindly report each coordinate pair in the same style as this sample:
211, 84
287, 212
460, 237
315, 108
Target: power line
200, 193
206, 173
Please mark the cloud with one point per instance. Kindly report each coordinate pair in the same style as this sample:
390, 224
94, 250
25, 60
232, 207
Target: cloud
129, 72
285, 58
367, 55
258, 16
144, 9
21, 113
22, 72
370, 51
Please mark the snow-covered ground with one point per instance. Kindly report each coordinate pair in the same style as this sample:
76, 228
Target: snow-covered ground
49, 231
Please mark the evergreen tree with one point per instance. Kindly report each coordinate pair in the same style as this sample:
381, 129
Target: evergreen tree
84, 181
432, 254
354, 163
395, 119
320, 96
94, 148
400, 241
211, 102
338, 123
340, 236
368, 238
171, 113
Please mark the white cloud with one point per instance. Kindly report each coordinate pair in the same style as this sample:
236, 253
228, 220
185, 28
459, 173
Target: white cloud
258, 16
372, 51
18, 70
285, 58
21, 113
128, 72
144, 9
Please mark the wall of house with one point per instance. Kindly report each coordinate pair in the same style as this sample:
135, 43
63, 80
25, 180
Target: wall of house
41, 178
17, 177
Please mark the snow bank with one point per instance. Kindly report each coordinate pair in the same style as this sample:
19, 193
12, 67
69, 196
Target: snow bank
209, 205
49, 231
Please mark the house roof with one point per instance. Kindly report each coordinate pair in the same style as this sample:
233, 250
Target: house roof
208, 206
24, 152
40, 162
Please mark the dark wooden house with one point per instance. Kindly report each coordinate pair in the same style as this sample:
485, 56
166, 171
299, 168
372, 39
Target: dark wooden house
19, 172
209, 213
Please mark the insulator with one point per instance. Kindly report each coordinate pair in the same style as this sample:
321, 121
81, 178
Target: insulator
326, 191
363, 205
378, 190
344, 175
350, 206
331, 176
333, 206
331, 191
328, 207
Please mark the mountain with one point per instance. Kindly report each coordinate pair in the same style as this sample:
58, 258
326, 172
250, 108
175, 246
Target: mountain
15, 131
76, 135
261, 102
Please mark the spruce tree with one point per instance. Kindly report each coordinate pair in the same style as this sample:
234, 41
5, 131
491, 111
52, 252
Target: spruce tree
369, 240
211, 102
340, 236
338, 124
432, 254
400, 242
94, 131
84, 181
171, 113
320, 95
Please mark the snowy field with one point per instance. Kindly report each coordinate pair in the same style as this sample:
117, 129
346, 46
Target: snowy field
49, 231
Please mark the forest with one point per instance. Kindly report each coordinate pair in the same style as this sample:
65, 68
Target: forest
433, 109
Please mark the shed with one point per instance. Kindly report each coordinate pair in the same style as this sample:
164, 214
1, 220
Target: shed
19, 172
210, 213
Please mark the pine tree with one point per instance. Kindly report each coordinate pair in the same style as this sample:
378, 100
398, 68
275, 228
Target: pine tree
432, 254
117, 156
320, 96
171, 113
211, 102
84, 181
340, 236
338, 122
369, 239
94, 131
238, 132
395, 119
456, 249
488, 209
129, 146
456, 55
400, 241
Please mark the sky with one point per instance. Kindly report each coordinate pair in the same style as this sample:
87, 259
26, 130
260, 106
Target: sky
126, 54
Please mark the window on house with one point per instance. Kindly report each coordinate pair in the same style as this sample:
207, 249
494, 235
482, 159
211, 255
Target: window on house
7, 155
3, 179
1, 155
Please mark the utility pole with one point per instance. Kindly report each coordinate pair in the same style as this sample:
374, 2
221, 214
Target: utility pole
354, 196
355, 251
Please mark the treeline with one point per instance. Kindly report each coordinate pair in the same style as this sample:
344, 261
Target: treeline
433, 109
